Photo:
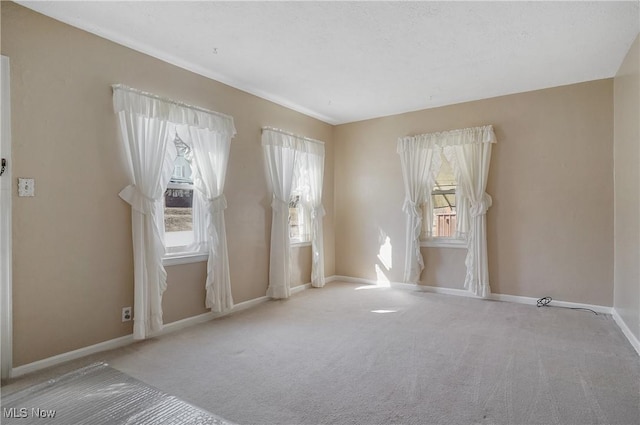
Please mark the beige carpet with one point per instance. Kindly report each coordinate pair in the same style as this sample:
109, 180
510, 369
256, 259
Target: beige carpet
347, 355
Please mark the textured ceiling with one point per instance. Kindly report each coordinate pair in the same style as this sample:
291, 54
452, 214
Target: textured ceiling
348, 61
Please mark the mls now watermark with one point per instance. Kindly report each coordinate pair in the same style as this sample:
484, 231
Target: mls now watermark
23, 412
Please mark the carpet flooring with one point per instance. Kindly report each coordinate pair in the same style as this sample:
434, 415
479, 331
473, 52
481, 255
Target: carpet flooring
351, 354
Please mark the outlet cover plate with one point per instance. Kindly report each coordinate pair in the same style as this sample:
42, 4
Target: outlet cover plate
26, 187
126, 314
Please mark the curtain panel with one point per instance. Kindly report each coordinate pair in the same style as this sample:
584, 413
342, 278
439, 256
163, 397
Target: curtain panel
469, 152
290, 159
470, 165
281, 152
313, 152
146, 122
150, 157
420, 165
211, 155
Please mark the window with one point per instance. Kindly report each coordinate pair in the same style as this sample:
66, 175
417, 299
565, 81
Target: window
179, 202
299, 214
443, 199
299, 220
442, 216
424, 159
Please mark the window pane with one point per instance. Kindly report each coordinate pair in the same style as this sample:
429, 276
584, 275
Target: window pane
178, 217
178, 200
294, 218
178, 212
443, 199
444, 221
298, 220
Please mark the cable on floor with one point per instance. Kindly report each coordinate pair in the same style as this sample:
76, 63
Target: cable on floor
544, 302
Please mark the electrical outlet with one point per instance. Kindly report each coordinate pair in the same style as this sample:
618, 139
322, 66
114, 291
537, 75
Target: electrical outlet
126, 314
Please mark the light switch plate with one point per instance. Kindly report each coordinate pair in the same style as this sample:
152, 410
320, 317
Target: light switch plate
26, 187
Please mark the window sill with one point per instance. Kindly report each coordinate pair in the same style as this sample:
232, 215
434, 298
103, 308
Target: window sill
444, 243
299, 244
176, 259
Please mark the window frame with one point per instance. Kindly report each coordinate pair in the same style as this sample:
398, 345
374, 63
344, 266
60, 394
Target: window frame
178, 256
302, 206
441, 241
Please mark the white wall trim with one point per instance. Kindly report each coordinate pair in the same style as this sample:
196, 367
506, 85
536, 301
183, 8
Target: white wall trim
72, 355
6, 256
402, 285
299, 288
330, 279
499, 297
532, 301
190, 321
205, 317
635, 343
299, 244
349, 279
443, 243
128, 339
176, 259
464, 293
438, 290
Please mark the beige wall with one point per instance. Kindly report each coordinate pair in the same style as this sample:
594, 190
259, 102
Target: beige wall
627, 189
72, 254
550, 230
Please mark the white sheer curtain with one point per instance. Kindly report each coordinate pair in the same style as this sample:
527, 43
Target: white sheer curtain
469, 152
281, 153
211, 155
314, 153
470, 163
420, 163
150, 155
147, 123
462, 202
293, 160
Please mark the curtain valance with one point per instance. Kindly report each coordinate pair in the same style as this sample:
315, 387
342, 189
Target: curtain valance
275, 136
152, 106
463, 136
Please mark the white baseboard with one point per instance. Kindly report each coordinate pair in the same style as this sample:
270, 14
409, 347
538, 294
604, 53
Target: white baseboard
350, 279
330, 279
71, 355
500, 297
464, 293
635, 343
441, 290
190, 321
533, 301
205, 317
299, 288
128, 339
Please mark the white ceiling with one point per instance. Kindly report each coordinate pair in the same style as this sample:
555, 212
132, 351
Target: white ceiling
348, 61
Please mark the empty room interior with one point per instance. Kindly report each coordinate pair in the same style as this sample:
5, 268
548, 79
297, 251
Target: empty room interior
320, 212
